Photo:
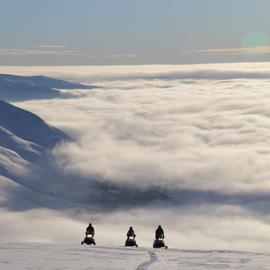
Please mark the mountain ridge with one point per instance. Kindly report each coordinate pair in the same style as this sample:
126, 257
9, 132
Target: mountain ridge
23, 88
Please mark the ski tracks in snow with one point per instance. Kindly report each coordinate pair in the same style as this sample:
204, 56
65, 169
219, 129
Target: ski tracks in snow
145, 265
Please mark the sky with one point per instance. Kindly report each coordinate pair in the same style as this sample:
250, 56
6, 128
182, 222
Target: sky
102, 32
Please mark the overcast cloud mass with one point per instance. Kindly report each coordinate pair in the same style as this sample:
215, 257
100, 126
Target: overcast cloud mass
202, 134
202, 128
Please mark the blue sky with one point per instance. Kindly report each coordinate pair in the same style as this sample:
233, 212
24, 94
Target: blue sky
74, 32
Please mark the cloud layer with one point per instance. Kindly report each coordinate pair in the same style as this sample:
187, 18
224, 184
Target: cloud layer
205, 227
198, 135
92, 74
235, 51
198, 128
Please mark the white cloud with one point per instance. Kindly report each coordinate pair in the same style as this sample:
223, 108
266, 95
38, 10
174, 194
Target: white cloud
39, 225
148, 73
59, 50
202, 136
179, 127
34, 52
234, 51
205, 227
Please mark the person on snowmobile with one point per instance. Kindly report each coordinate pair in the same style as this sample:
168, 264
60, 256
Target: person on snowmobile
131, 233
90, 230
159, 233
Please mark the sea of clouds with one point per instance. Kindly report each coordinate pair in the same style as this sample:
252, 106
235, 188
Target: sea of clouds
202, 128
202, 134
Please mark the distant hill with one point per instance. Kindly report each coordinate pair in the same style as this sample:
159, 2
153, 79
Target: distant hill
20, 88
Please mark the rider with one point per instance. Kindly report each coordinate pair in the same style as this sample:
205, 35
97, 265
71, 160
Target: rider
159, 233
90, 230
131, 233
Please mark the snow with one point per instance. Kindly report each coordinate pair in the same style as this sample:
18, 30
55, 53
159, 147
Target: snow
12, 163
22, 147
37, 256
28, 126
16, 88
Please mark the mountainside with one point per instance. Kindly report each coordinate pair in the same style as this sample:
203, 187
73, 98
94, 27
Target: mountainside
19, 88
49, 256
43, 81
24, 148
27, 126
25, 140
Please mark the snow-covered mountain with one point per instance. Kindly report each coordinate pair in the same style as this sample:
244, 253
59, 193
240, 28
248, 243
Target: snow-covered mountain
19, 88
44, 81
25, 140
20, 126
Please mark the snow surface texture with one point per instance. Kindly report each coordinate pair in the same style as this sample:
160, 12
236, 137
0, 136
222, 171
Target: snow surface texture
182, 146
60, 257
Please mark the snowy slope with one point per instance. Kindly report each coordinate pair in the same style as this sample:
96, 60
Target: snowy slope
48, 256
18, 88
44, 81
25, 178
24, 148
23, 130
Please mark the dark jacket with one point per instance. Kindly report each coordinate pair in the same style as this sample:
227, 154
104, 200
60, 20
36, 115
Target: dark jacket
90, 230
159, 233
131, 233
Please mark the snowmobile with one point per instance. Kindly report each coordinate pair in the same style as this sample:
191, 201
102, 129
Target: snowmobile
89, 240
131, 242
159, 243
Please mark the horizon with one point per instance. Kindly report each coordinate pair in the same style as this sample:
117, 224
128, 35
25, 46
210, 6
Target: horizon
119, 64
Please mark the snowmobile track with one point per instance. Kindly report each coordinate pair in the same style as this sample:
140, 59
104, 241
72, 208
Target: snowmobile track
145, 265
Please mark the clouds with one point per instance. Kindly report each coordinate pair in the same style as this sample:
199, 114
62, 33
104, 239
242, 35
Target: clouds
194, 133
202, 140
235, 51
206, 135
44, 50
60, 50
205, 227
38, 226
148, 73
